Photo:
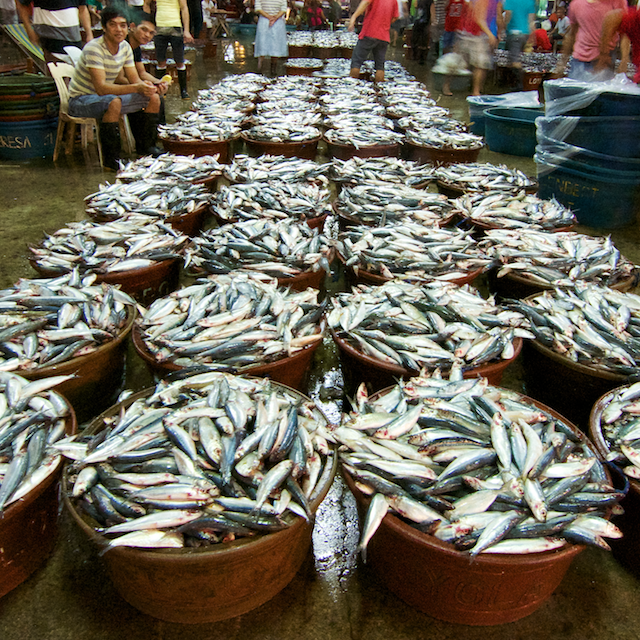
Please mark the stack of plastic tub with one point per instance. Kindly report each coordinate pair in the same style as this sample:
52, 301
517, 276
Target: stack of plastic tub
478, 104
588, 150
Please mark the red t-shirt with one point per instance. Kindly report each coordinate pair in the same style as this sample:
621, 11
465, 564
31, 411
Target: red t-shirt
542, 40
378, 18
630, 26
455, 13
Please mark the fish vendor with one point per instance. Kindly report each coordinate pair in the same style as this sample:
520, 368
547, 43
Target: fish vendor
95, 91
627, 24
374, 37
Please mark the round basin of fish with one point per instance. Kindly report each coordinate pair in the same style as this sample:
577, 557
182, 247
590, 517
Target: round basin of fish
191, 223
205, 584
299, 51
379, 375
301, 71
304, 149
348, 151
518, 285
28, 526
99, 375
211, 183
569, 387
440, 155
291, 371
437, 579
200, 148
454, 191
626, 549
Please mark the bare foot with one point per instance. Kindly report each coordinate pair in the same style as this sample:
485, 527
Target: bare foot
446, 91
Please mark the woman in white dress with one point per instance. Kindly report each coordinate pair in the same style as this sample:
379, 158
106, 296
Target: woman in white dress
271, 32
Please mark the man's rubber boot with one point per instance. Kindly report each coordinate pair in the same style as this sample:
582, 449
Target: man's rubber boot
182, 80
110, 142
144, 127
160, 72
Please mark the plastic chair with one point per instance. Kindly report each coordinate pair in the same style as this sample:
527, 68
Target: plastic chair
61, 73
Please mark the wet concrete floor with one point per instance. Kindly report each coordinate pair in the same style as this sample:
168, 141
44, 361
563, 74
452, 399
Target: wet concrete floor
334, 595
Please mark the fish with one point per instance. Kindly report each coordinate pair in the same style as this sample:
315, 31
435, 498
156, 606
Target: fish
282, 249
434, 137
170, 165
483, 176
235, 321
519, 514
32, 421
386, 169
247, 169
46, 321
204, 502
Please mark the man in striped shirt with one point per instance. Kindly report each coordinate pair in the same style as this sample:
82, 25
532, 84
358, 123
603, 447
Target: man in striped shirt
106, 84
55, 24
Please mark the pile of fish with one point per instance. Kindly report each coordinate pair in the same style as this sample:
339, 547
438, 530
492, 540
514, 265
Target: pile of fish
619, 427
282, 249
48, 321
532, 61
426, 120
393, 71
283, 129
304, 63
32, 420
171, 166
158, 198
483, 176
121, 245
439, 139
202, 127
359, 133
558, 259
476, 466
236, 87
274, 200
200, 461
300, 38
334, 68
384, 170
515, 210
245, 168
405, 98
231, 322
377, 204
595, 326
430, 325
413, 251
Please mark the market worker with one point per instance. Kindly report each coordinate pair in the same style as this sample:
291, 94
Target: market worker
452, 23
95, 93
627, 24
477, 39
55, 24
561, 26
582, 41
141, 31
374, 35
541, 40
172, 28
519, 16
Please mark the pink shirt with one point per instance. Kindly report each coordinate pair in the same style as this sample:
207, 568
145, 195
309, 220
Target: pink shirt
378, 18
589, 16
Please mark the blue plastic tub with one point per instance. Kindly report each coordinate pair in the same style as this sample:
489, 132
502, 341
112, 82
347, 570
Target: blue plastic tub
478, 105
598, 200
511, 130
28, 140
607, 103
600, 161
618, 136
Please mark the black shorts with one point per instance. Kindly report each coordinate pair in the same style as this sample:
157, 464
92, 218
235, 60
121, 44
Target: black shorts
369, 48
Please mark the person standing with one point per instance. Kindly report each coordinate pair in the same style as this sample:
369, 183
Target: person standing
582, 41
519, 17
271, 32
96, 92
374, 35
425, 15
437, 25
172, 28
560, 28
627, 24
196, 18
477, 40
55, 24
452, 23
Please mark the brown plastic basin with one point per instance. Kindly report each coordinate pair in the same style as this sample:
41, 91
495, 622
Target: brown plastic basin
198, 585
99, 375
190, 223
626, 549
306, 149
291, 371
379, 375
28, 528
348, 151
199, 148
435, 578
454, 191
437, 155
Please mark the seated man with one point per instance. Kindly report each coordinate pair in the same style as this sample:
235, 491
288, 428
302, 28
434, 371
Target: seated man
94, 92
